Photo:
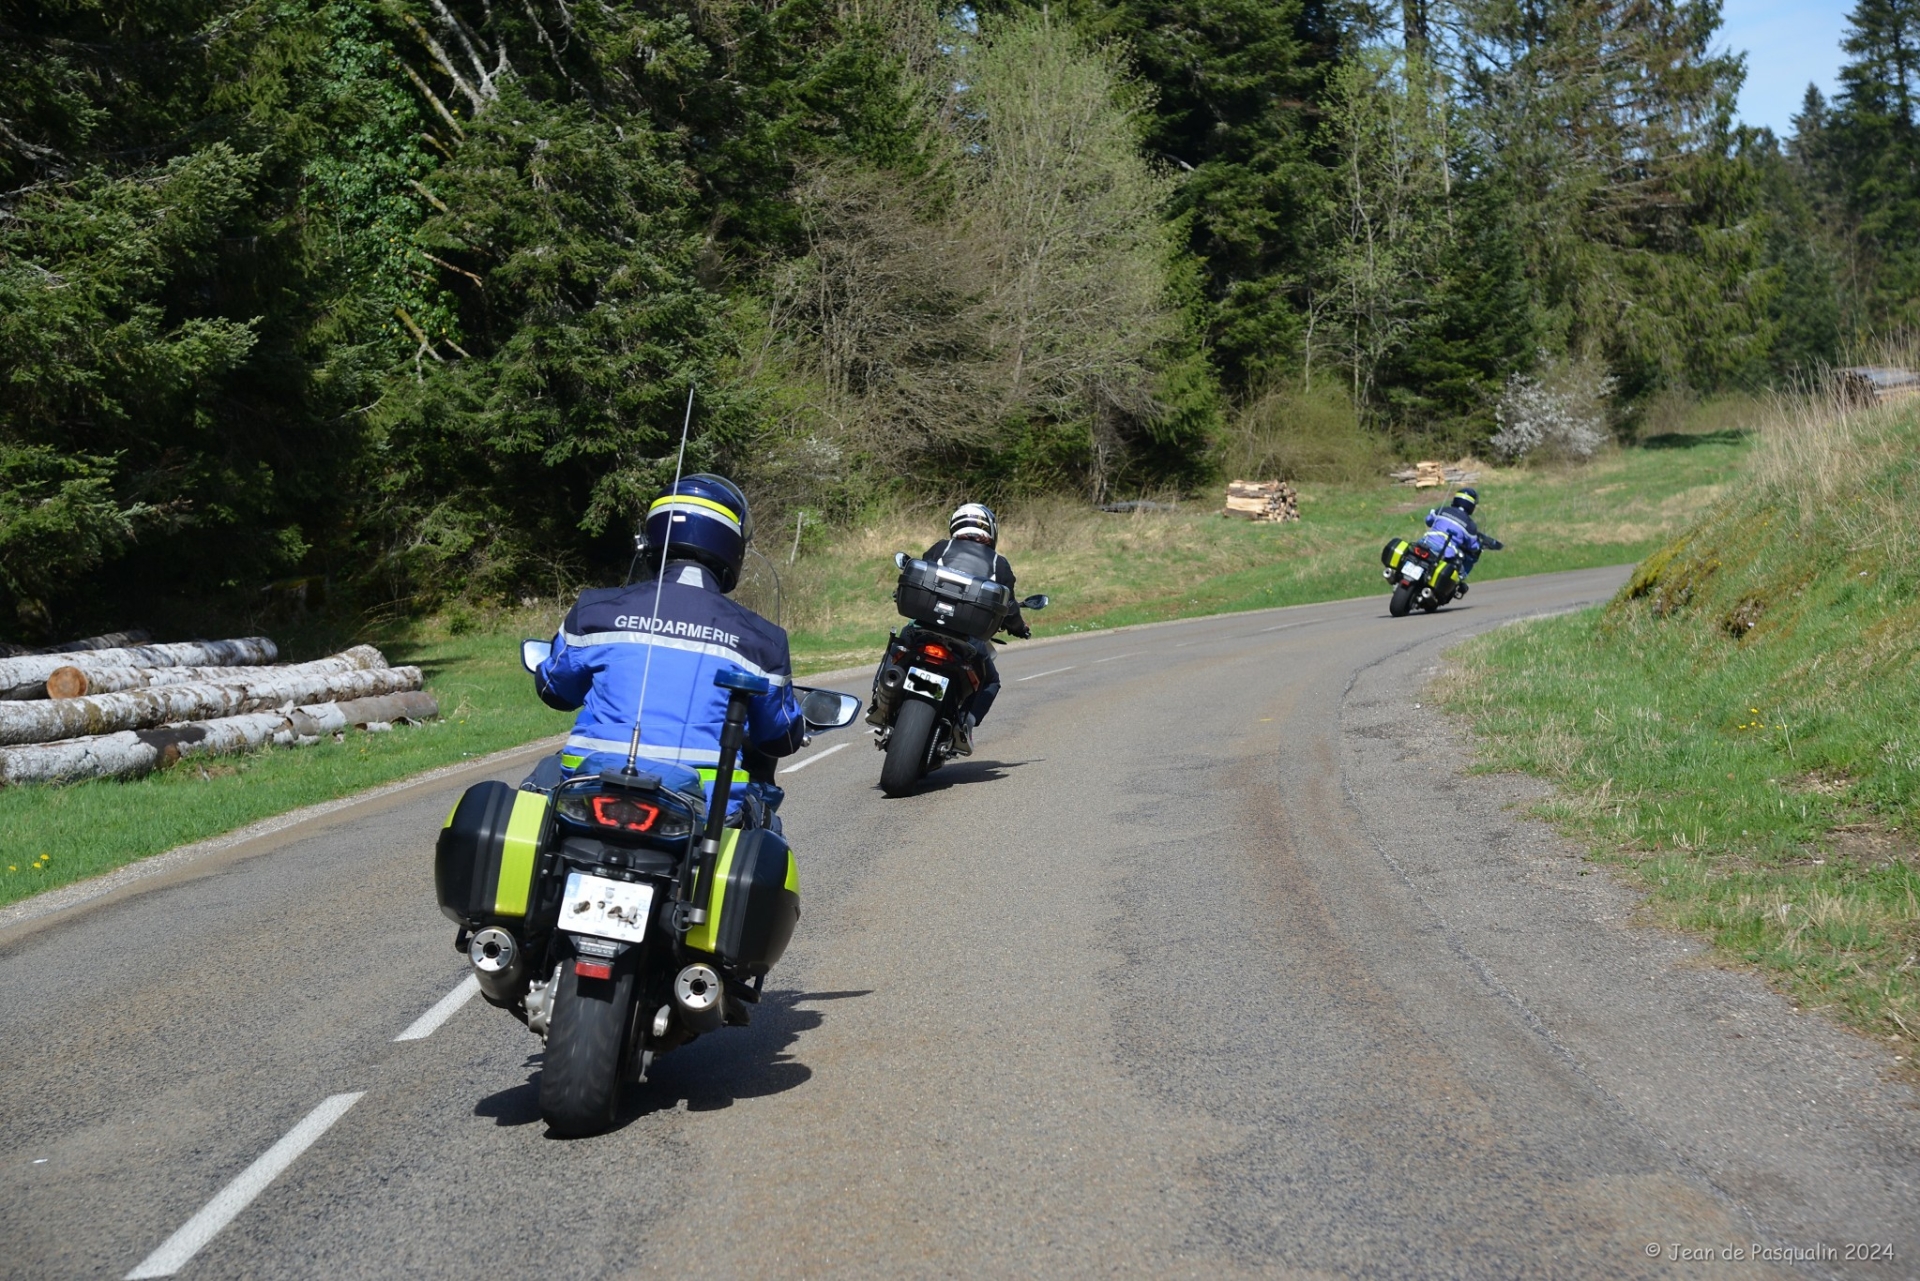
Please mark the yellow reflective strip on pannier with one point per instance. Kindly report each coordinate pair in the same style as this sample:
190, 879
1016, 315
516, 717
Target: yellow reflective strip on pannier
704, 937
793, 872
451, 813
518, 850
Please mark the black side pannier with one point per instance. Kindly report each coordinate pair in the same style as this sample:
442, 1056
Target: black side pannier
754, 903
484, 861
945, 598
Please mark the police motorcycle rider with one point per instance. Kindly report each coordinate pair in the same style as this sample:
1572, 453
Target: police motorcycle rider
689, 630
971, 547
1455, 535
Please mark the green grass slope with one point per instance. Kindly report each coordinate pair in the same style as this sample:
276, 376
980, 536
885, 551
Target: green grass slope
1740, 728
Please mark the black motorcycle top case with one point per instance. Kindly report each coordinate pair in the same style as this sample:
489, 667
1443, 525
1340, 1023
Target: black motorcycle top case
941, 597
484, 863
755, 903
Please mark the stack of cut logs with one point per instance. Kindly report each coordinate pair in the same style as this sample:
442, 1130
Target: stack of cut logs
1262, 500
124, 710
1429, 474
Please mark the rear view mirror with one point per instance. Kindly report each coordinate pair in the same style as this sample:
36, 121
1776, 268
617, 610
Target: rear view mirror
826, 708
900, 560
535, 652
1034, 602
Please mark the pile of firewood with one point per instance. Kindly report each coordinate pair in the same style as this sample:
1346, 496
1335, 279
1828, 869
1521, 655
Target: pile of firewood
87, 711
1428, 474
1262, 500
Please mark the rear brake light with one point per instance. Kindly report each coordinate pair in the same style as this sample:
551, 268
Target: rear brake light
938, 653
593, 969
624, 813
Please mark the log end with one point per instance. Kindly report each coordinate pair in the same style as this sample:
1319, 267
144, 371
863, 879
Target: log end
66, 682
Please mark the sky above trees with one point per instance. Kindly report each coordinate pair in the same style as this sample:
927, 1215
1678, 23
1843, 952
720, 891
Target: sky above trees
1788, 44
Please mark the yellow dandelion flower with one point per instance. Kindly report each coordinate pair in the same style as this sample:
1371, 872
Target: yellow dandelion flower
12, 868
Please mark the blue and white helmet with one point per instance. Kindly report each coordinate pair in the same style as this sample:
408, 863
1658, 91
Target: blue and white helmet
702, 518
975, 521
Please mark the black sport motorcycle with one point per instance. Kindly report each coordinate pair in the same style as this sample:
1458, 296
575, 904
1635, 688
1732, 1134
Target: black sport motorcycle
932, 665
619, 918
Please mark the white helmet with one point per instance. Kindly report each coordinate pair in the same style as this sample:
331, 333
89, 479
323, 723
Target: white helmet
975, 521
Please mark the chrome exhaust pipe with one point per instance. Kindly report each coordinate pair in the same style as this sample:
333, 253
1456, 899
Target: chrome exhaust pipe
498, 963
698, 996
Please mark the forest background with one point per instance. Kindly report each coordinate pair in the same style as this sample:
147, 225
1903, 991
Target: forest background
405, 298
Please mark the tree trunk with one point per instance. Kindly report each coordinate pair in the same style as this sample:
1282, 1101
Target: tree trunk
387, 708
131, 753
44, 722
76, 682
26, 677
112, 640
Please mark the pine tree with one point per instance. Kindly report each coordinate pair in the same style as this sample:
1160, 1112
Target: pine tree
1235, 86
1870, 140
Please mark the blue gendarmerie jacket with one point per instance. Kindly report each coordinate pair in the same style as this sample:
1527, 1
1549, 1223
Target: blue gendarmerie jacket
1454, 535
600, 655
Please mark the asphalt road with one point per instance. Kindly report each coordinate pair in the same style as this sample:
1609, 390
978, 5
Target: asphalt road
1210, 962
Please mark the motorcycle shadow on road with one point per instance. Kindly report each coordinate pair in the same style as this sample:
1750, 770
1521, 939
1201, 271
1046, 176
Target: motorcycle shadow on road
967, 770
714, 1072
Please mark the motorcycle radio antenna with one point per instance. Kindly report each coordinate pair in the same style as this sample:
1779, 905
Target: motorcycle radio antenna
659, 585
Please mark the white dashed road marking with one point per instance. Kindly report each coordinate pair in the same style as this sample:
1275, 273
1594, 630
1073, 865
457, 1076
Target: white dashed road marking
425, 1026
237, 1195
796, 768
1051, 672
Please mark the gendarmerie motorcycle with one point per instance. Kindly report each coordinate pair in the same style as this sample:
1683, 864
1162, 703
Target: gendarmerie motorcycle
932, 665
619, 918
1420, 576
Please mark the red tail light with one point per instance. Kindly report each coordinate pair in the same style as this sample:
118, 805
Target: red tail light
938, 653
624, 813
593, 969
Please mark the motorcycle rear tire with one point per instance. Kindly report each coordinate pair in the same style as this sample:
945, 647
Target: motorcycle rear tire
907, 747
580, 1082
1402, 600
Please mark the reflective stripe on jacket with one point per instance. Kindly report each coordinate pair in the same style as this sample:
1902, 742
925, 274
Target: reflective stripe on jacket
600, 661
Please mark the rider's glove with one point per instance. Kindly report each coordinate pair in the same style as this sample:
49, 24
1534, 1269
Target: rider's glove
1024, 632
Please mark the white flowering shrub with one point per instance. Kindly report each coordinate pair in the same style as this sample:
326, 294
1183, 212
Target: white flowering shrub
1562, 414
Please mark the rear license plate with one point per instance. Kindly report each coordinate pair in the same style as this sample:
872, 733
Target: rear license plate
921, 681
1413, 573
606, 909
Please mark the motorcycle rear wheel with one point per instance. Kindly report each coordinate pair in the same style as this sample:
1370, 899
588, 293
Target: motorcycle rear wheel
907, 748
1402, 600
580, 1082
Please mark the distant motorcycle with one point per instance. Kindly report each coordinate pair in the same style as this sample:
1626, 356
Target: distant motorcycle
619, 918
932, 666
1420, 576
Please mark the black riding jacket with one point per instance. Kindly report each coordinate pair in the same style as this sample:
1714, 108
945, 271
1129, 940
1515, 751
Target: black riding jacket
981, 561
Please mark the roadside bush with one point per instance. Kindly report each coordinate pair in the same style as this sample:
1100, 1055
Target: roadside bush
1291, 433
1560, 414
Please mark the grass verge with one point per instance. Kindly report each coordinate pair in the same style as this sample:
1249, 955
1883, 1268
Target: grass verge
1101, 570
1105, 570
1736, 731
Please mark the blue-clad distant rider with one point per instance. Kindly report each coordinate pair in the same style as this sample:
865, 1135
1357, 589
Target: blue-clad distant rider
1453, 534
700, 527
